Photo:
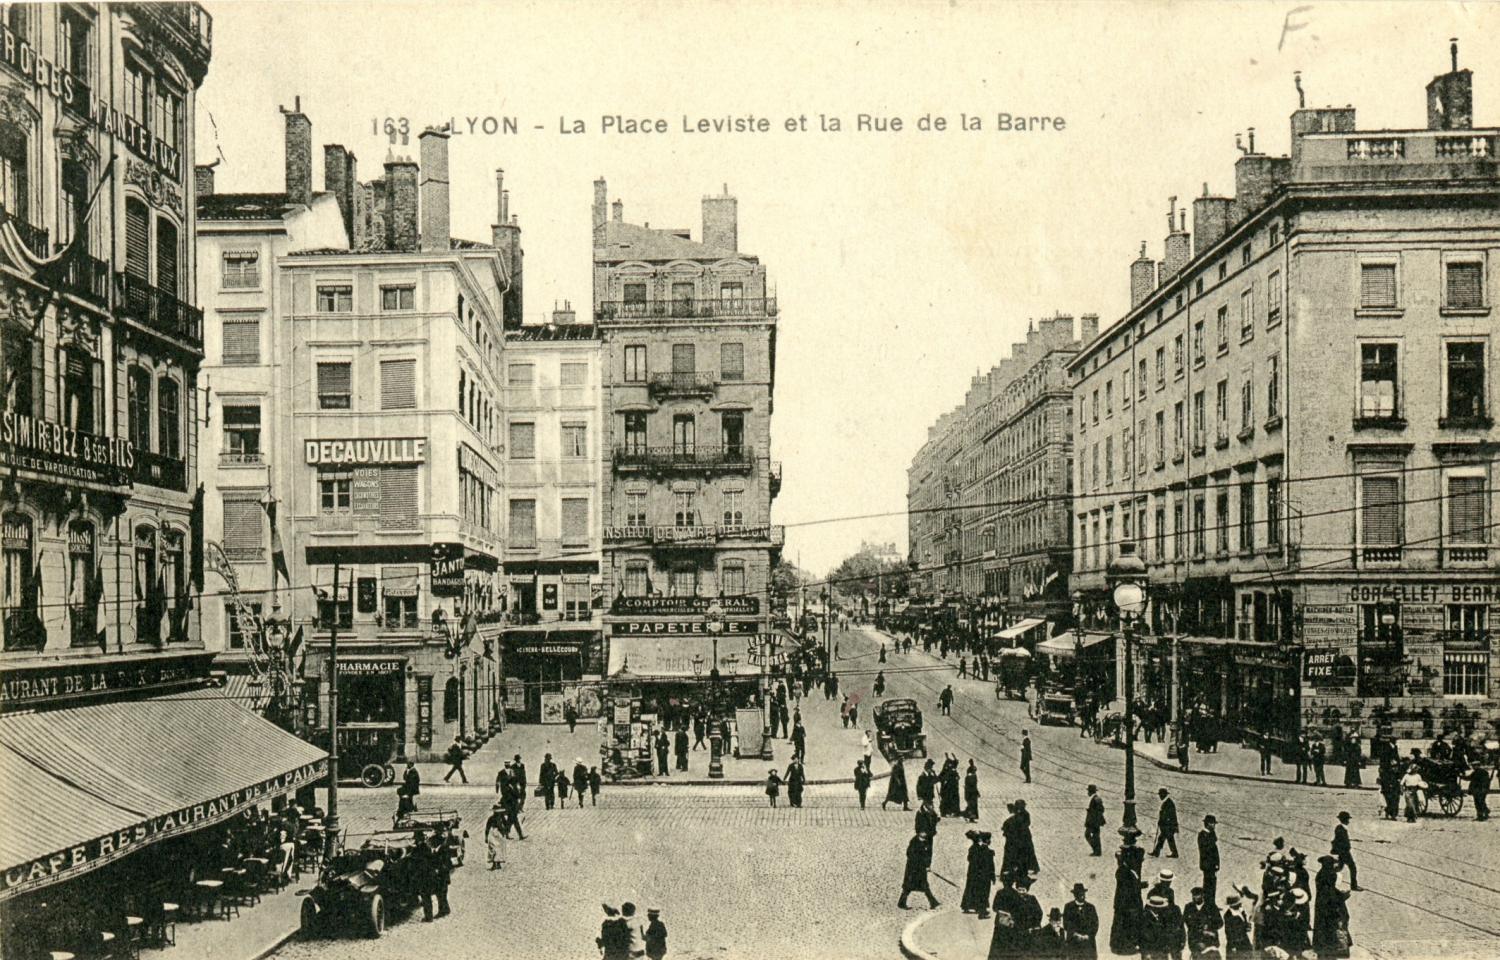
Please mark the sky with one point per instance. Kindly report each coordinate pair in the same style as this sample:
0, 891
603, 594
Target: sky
905, 261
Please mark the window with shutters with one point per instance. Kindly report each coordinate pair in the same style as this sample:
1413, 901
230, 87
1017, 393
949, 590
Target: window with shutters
732, 578
1221, 329
15, 177
77, 187
137, 240
241, 270
1273, 511
1464, 383
1247, 404
684, 358
1247, 515
1463, 287
335, 298
1161, 438
1140, 380
398, 498
522, 528
1377, 286
1198, 348
732, 361
520, 374
1221, 410
22, 371
575, 441
1161, 367
168, 256
169, 419
241, 340
398, 384
573, 375
1467, 497
1198, 423
1221, 515
1273, 386
1247, 315
1380, 507
1378, 381
244, 528
138, 409
522, 441
334, 385
635, 363
242, 432
575, 521
1200, 525
403, 297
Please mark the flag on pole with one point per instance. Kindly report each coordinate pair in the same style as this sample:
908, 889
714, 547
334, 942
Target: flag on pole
278, 552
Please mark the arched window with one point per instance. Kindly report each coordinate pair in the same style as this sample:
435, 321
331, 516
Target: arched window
18, 591
15, 181
83, 588
451, 693
168, 419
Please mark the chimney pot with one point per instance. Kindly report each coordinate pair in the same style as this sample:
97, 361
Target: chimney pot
298, 154
617, 211
203, 178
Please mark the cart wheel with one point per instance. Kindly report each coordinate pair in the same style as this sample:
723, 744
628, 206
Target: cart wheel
309, 917
390, 775
375, 915
373, 775
1451, 803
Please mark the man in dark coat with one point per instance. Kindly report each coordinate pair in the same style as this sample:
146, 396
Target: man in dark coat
1080, 925
1125, 929
1201, 921
547, 777
926, 783
1319, 752
1479, 790
1389, 779
1019, 859
945, 701
948, 788
796, 779
1026, 755
1048, 942
1343, 850
918, 860
799, 741
580, 780
1236, 927
1208, 859
862, 778
518, 773
661, 754
971, 793
679, 748
411, 779
1166, 824
455, 758
980, 876
895, 788
1161, 930
926, 819
700, 730
1093, 821
1017, 915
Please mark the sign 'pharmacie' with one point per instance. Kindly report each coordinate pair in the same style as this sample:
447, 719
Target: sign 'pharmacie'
381, 450
28, 443
24, 59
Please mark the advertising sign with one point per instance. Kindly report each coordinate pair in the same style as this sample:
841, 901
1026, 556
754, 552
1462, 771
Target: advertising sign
27, 443
30, 687
447, 569
1327, 670
682, 628
350, 452
684, 606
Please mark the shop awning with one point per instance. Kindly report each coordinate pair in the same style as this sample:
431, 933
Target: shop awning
659, 658
1062, 644
1010, 633
82, 788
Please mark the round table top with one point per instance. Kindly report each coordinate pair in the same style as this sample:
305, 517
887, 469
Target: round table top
134, 921
59, 955
210, 884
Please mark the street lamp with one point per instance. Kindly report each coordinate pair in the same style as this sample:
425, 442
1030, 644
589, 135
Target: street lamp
1128, 573
715, 624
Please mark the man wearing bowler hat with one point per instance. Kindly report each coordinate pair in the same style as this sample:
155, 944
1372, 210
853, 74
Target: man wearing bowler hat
1342, 850
1080, 925
1166, 824
1208, 859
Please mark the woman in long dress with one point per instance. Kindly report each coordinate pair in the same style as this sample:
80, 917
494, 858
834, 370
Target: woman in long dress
948, 787
981, 875
971, 794
1125, 930
1330, 914
895, 790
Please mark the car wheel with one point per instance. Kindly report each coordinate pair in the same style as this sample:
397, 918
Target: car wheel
309, 917
375, 915
390, 775
373, 775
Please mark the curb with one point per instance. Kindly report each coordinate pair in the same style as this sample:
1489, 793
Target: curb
275, 944
1168, 765
909, 948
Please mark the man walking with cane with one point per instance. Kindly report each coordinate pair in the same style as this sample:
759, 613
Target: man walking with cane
1166, 824
918, 862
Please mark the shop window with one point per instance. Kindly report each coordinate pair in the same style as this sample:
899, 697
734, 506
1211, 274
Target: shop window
522, 441
522, 534
242, 433
240, 270
138, 409
1377, 286
236, 628
335, 385
637, 580
241, 337
732, 361
1464, 375
575, 521
335, 298
452, 696
168, 419
18, 603
1466, 673
732, 578
575, 441
424, 711
1464, 285
398, 384
403, 297
635, 363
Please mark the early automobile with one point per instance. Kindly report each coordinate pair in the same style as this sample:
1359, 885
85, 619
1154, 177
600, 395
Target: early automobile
359, 887
1057, 708
445, 823
368, 751
898, 729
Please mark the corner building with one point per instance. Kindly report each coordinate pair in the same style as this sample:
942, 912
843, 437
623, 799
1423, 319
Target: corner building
1294, 423
688, 369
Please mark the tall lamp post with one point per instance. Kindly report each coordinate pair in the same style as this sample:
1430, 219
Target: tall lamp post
715, 618
1128, 575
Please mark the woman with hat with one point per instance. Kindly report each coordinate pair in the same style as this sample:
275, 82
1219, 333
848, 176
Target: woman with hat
981, 874
1236, 926
773, 786
971, 793
1330, 914
1125, 929
895, 790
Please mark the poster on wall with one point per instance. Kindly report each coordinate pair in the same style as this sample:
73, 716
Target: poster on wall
587, 698
552, 708
515, 694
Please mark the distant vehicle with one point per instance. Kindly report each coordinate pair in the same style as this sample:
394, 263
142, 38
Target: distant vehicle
1013, 669
445, 823
368, 751
898, 729
1057, 708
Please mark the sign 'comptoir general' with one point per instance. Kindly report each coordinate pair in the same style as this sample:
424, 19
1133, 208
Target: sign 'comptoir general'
391, 450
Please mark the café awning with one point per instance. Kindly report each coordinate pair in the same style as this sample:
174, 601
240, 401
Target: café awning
1062, 645
84, 787
671, 657
1011, 632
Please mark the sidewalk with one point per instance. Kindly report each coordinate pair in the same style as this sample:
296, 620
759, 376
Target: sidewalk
1241, 763
257, 932
832, 750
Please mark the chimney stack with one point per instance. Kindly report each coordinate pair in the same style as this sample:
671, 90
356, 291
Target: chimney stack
1450, 97
1210, 220
500, 196
433, 144
401, 204
505, 236
203, 179
721, 221
601, 206
339, 179
1179, 248
565, 315
617, 212
298, 154
1142, 279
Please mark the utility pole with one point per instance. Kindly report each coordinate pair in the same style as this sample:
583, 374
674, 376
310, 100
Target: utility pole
331, 822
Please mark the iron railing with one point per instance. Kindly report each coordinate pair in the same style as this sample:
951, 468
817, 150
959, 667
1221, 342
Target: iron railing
723, 309
682, 384
168, 473
33, 236
158, 310
86, 277
683, 458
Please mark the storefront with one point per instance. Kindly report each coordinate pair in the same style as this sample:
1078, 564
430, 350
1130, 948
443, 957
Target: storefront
109, 767
550, 665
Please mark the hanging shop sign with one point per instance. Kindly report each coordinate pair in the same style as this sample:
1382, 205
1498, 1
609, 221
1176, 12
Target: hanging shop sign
29, 688
682, 628
684, 606
382, 450
43, 446
447, 569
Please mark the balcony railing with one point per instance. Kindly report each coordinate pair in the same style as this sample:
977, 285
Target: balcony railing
731, 459
240, 458
1468, 554
34, 237
682, 385
158, 310
1381, 554
159, 471
618, 311
87, 278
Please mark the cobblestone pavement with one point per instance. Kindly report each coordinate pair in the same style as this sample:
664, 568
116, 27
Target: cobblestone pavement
737, 879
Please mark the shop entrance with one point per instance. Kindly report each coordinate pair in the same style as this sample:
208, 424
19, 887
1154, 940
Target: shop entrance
372, 719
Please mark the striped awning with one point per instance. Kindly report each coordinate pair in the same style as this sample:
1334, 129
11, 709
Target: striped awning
84, 787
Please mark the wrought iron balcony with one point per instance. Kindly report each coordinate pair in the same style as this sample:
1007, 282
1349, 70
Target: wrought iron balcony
628, 311
87, 278
158, 310
682, 458
682, 385
34, 237
159, 471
